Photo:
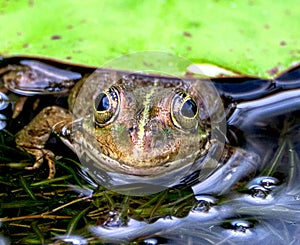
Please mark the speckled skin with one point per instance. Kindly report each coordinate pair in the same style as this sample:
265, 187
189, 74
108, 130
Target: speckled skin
158, 124
143, 137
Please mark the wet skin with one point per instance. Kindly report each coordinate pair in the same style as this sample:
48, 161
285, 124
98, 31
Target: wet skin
143, 125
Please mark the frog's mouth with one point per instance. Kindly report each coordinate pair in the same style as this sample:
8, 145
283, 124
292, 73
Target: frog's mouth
149, 168
136, 166
121, 177
116, 173
150, 159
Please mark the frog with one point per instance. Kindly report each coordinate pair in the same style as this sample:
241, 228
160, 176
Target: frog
133, 127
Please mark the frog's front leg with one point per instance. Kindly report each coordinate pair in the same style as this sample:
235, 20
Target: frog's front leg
33, 137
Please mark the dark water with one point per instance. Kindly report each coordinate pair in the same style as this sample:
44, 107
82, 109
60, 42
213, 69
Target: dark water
264, 207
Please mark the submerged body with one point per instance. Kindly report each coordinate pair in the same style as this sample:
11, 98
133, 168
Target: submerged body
136, 127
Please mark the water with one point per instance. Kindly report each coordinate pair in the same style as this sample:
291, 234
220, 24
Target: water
262, 207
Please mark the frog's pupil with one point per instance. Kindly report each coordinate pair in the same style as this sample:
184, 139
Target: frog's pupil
189, 108
102, 102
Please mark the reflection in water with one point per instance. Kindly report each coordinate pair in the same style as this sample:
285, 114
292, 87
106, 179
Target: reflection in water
72, 239
4, 103
262, 209
3, 121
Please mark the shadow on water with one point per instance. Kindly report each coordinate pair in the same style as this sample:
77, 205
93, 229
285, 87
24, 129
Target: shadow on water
262, 207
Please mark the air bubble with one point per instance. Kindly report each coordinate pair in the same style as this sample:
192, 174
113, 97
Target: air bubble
4, 101
259, 192
204, 203
154, 241
3, 121
151, 241
238, 226
269, 182
261, 189
265, 183
114, 220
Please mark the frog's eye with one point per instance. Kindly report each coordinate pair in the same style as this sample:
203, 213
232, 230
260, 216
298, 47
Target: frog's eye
184, 111
106, 106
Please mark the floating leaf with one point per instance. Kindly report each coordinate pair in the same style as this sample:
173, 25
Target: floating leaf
259, 38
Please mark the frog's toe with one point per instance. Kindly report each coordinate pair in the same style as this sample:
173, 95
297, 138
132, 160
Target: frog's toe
19, 106
51, 164
40, 156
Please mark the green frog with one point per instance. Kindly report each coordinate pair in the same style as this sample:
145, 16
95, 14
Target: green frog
130, 128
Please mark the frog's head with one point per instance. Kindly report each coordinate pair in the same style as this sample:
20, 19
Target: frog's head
149, 125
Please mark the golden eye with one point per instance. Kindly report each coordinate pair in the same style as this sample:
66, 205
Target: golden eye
106, 106
184, 111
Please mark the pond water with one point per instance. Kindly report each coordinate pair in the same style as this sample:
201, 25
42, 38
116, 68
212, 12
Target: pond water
262, 207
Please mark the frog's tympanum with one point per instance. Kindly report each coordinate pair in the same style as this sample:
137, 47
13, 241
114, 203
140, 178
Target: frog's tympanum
134, 128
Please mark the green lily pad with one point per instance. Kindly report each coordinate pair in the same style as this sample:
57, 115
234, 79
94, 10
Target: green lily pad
258, 38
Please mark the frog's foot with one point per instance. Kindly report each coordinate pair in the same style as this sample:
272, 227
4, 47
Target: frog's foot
33, 137
18, 108
40, 155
